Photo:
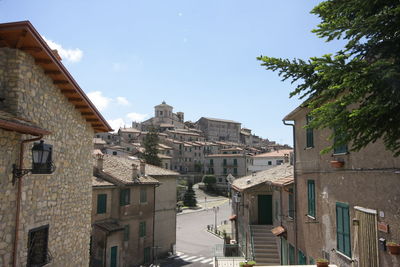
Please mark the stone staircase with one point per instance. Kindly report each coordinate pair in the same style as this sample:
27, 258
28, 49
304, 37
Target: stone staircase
265, 246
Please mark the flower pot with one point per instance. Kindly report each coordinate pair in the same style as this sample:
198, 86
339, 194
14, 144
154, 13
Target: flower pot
394, 249
337, 164
322, 264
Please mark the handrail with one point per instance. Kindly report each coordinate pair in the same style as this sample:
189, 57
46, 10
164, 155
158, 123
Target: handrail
251, 244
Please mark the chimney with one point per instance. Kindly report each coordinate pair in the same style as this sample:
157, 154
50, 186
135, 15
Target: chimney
100, 160
142, 168
55, 52
135, 174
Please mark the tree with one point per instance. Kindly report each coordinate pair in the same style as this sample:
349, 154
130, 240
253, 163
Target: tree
189, 199
150, 144
210, 181
355, 91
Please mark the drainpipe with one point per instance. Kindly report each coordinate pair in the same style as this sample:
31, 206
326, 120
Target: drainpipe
154, 216
19, 192
295, 187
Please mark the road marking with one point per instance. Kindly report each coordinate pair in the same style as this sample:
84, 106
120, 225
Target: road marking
207, 260
188, 259
201, 258
184, 257
211, 263
173, 257
179, 253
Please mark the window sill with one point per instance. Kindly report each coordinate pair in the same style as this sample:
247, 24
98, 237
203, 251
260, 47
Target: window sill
340, 154
308, 148
311, 217
341, 254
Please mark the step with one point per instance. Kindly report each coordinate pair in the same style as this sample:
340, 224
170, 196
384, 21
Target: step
265, 251
261, 246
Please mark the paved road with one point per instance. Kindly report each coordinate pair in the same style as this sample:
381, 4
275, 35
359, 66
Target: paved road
194, 245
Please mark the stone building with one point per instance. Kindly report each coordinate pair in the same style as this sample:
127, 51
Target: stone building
164, 119
256, 206
219, 129
45, 215
347, 202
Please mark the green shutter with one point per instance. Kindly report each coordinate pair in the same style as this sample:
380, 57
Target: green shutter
309, 134
224, 162
343, 228
235, 171
302, 259
225, 171
235, 162
146, 255
291, 255
311, 197
142, 229
125, 197
341, 149
101, 203
126, 232
143, 195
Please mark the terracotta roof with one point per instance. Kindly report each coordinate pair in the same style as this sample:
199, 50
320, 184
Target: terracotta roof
98, 182
283, 181
262, 177
277, 153
220, 120
13, 123
109, 226
23, 36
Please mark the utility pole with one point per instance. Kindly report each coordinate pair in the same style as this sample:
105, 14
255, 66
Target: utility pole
215, 209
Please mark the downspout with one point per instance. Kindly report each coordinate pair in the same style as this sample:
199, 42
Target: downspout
19, 192
295, 187
154, 217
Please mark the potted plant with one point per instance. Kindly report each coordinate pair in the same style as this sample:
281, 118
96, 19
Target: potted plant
247, 264
322, 262
337, 164
393, 248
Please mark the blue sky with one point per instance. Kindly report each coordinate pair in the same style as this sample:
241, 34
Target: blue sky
198, 56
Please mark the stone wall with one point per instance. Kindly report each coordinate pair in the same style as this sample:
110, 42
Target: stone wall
62, 199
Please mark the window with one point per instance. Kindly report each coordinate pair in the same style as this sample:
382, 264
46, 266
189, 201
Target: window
142, 229
225, 171
126, 232
340, 149
311, 197
235, 171
166, 165
101, 203
143, 195
219, 180
269, 162
211, 162
343, 228
38, 246
114, 153
235, 162
146, 255
279, 162
224, 162
124, 197
309, 134
291, 203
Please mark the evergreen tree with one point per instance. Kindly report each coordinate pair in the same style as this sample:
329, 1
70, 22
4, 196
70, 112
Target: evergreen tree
355, 91
150, 144
189, 199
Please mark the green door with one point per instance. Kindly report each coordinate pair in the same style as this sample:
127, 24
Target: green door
114, 256
264, 209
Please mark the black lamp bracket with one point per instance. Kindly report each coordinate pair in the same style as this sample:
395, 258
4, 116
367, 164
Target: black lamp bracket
18, 173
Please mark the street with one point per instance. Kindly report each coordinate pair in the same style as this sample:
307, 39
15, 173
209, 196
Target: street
194, 245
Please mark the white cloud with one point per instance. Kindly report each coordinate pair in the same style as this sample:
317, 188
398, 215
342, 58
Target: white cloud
180, 14
122, 101
116, 124
100, 101
72, 55
137, 117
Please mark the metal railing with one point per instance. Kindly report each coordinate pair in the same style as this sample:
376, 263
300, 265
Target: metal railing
251, 244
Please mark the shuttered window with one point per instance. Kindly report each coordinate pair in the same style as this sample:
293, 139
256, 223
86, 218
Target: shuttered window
126, 232
101, 203
291, 255
146, 255
143, 195
125, 197
341, 149
291, 203
311, 197
142, 229
235, 162
343, 228
235, 171
302, 259
309, 134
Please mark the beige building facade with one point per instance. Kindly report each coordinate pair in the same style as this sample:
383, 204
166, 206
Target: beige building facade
219, 129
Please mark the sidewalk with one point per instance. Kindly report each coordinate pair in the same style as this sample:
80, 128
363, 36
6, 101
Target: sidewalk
204, 207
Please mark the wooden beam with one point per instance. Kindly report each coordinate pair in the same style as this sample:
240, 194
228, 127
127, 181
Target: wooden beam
87, 113
4, 42
68, 91
81, 107
75, 99
31, 48
55, 72
60, 82
21, 38
43, 61
97, 125
92, 120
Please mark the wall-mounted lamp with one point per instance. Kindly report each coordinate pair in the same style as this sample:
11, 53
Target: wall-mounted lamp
41, 161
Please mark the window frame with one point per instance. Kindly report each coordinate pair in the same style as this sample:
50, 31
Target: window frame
311, 209
44, 253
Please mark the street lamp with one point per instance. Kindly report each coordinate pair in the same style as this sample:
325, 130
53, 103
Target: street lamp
41, 161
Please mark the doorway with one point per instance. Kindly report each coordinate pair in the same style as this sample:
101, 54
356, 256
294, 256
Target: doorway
264, 209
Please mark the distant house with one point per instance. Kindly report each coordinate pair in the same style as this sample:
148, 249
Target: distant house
164, 119
268, 160
346, 207
257, 203
219, 129
47, 124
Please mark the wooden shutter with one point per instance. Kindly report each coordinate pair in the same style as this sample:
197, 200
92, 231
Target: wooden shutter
311, 197
343, 228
